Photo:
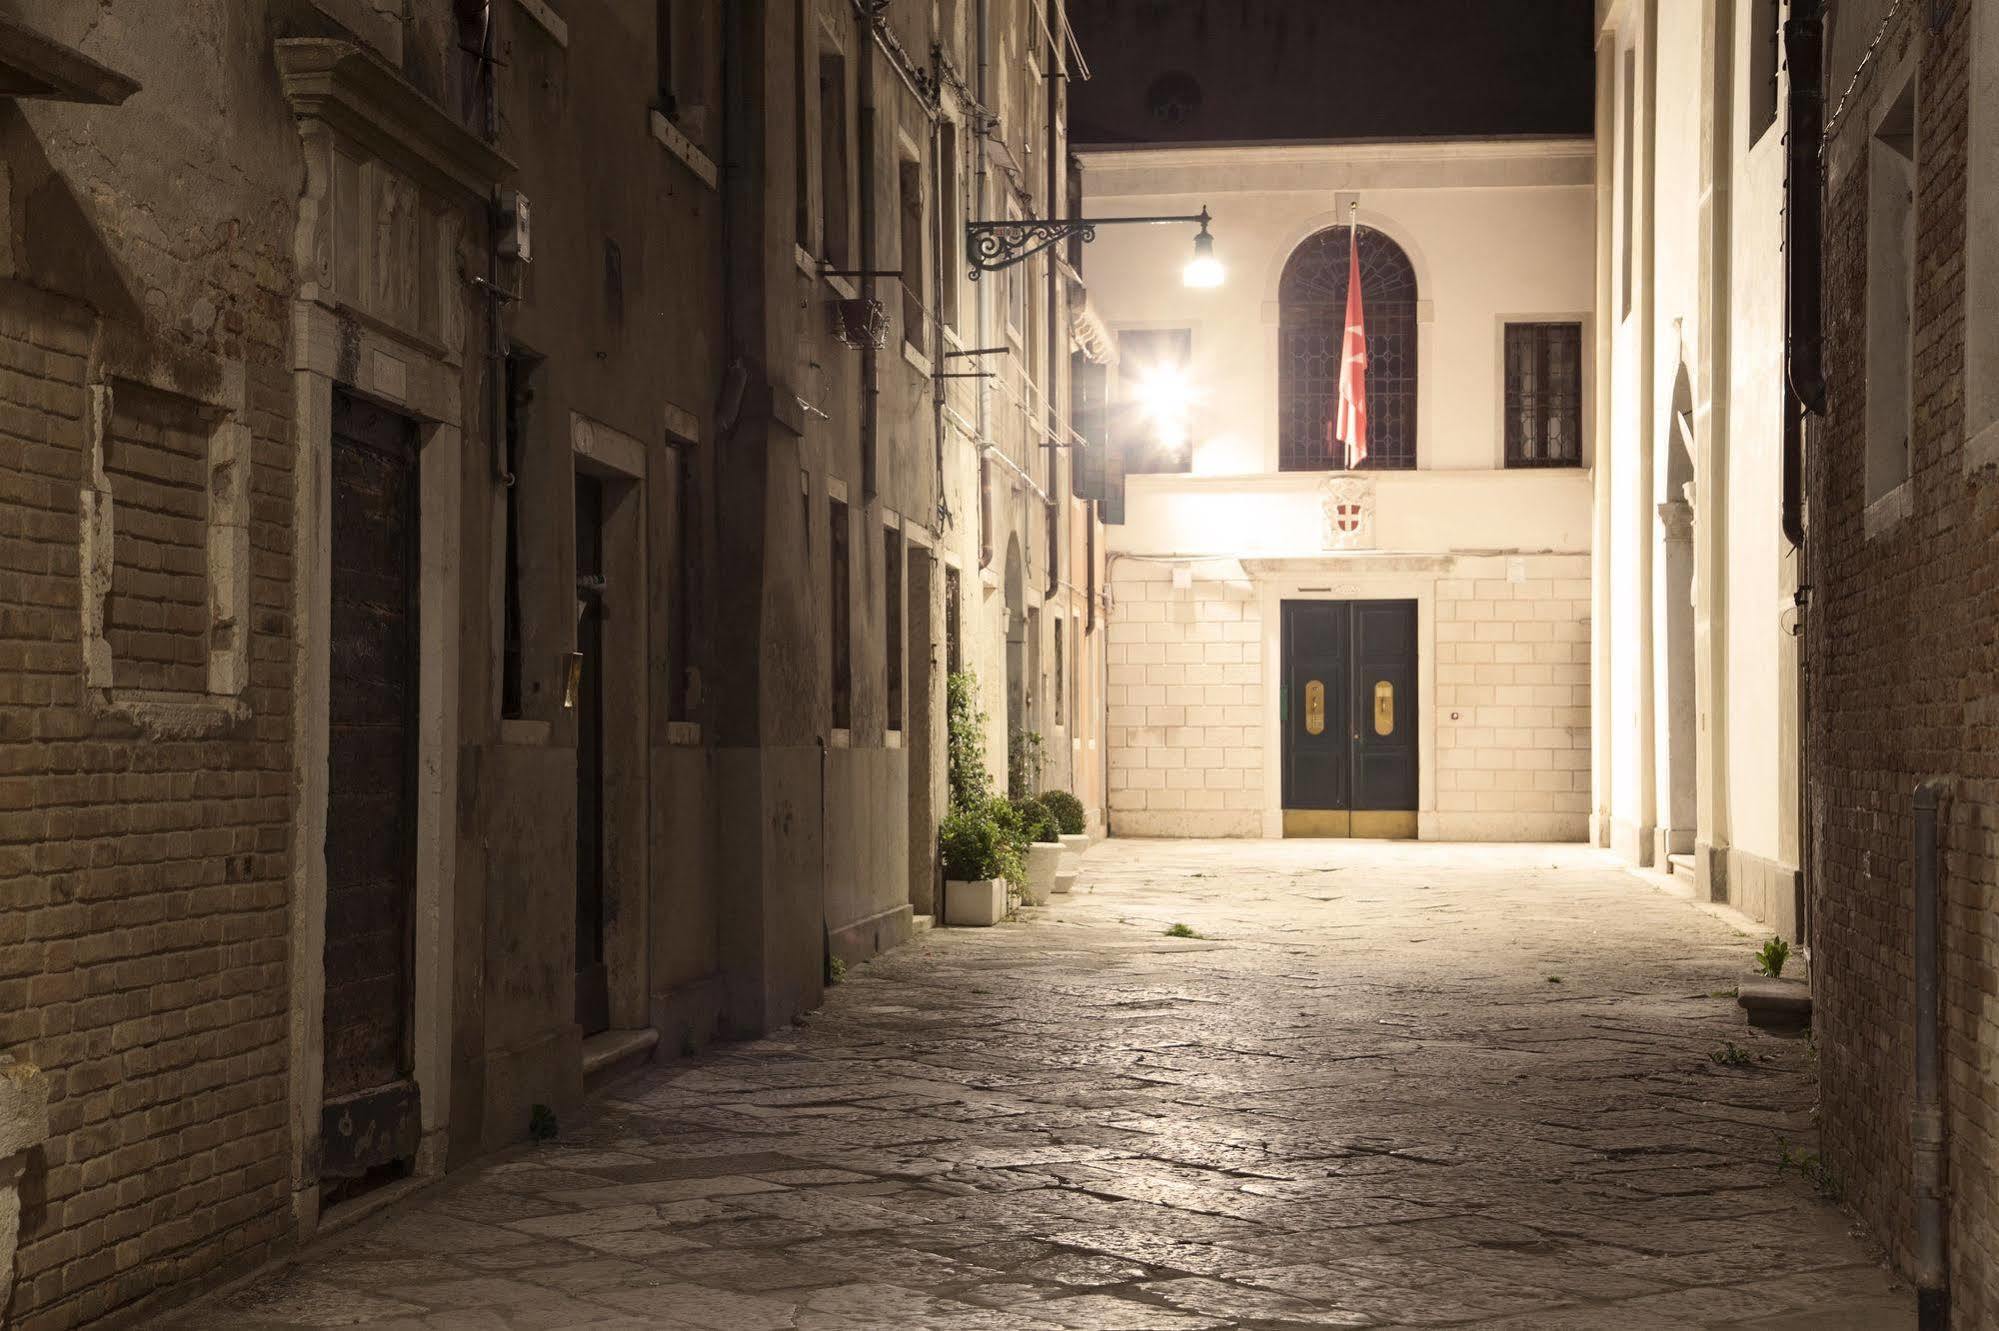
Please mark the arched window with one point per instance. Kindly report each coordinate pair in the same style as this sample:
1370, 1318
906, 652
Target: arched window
1311, 324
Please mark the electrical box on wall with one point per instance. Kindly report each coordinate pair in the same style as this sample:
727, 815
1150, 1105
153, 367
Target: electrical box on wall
513, 238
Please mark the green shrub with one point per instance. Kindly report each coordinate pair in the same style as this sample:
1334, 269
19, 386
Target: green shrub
965, 727
1036, 823
1067, 811
972, 845
1023, 762
1770, 958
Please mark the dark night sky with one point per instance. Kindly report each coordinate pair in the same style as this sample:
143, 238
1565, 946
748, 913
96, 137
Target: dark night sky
1194, 71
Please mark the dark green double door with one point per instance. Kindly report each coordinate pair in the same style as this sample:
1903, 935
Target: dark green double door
1349, 716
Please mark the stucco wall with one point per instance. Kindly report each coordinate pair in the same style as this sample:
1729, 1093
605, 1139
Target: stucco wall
1700, 664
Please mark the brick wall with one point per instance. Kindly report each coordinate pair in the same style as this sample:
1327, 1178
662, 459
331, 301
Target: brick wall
1904, 684
156, 616
143, 919
1189, 722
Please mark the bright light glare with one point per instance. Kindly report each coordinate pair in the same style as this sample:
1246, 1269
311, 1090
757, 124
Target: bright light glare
1167, 398
1202, 271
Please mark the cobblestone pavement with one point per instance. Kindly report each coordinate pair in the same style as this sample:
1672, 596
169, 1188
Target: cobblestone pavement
1387, 1086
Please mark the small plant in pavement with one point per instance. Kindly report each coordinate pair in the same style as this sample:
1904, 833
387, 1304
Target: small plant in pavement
1812, 1169
1730, 1055
1770, 958
1181, 931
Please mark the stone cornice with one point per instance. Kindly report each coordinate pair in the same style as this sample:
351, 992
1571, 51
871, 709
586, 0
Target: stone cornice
359, 97
1114, 157
32, 65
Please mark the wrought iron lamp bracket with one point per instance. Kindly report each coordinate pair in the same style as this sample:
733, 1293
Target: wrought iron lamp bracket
997, 245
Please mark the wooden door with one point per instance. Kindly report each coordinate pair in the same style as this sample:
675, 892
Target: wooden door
593, 1001
1348, 712
370, 1117
1317, 651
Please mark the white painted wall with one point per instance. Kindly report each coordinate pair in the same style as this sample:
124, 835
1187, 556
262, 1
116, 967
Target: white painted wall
1750, 712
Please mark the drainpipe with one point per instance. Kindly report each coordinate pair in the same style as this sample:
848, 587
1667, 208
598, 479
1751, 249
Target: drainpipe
1926, 1116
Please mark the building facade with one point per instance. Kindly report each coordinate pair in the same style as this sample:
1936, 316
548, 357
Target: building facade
1697, 667
1396, 650
1899, 648
493, 493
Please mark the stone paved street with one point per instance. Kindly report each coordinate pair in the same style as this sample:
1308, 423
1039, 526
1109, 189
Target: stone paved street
1387, 1086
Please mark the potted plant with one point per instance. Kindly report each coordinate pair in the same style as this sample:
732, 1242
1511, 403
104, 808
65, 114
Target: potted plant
1042, 846
1067, 811
976, 853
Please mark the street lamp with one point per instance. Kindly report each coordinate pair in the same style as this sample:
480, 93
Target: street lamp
997, 245
1204, 270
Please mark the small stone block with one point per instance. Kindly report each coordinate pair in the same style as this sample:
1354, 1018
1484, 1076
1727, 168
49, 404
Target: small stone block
1784, 1005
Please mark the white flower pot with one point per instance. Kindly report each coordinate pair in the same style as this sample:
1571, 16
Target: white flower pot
1075, 845
1044, 861
1065, 882
975, 904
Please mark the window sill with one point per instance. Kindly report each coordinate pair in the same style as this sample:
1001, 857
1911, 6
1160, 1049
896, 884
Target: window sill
846, 289
840, 738
802, 257
917, 360
683, 734
1885, 514
551, 22
892, 739
671, 139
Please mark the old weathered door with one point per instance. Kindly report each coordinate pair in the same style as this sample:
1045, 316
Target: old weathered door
593, 1004
370, 1120
1348, 713
1317, 773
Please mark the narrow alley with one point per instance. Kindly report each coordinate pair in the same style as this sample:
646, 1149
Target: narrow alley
1381, 1085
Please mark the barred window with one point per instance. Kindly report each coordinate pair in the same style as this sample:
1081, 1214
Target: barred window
1311, 328
1544, 394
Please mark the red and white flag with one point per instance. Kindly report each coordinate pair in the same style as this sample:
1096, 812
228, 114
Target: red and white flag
1350, 423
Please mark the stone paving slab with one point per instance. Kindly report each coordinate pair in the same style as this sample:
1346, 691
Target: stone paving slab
1388, 1086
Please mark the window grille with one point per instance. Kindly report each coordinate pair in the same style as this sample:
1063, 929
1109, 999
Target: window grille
1544, 395
1312, 311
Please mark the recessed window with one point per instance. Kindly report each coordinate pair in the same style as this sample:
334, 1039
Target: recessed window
954, 660
521, 368
1061, 676
909, 178
841, 602
1627, 154
1154, 416
685, 687
1544, 394
1311, 333
892, 621
1765, 35
835, 189
950, 226
1891, 272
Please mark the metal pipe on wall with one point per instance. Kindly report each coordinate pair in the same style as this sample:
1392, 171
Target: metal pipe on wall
1926, 1130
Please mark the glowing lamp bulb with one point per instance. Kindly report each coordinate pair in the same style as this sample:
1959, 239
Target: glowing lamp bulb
1204, 269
